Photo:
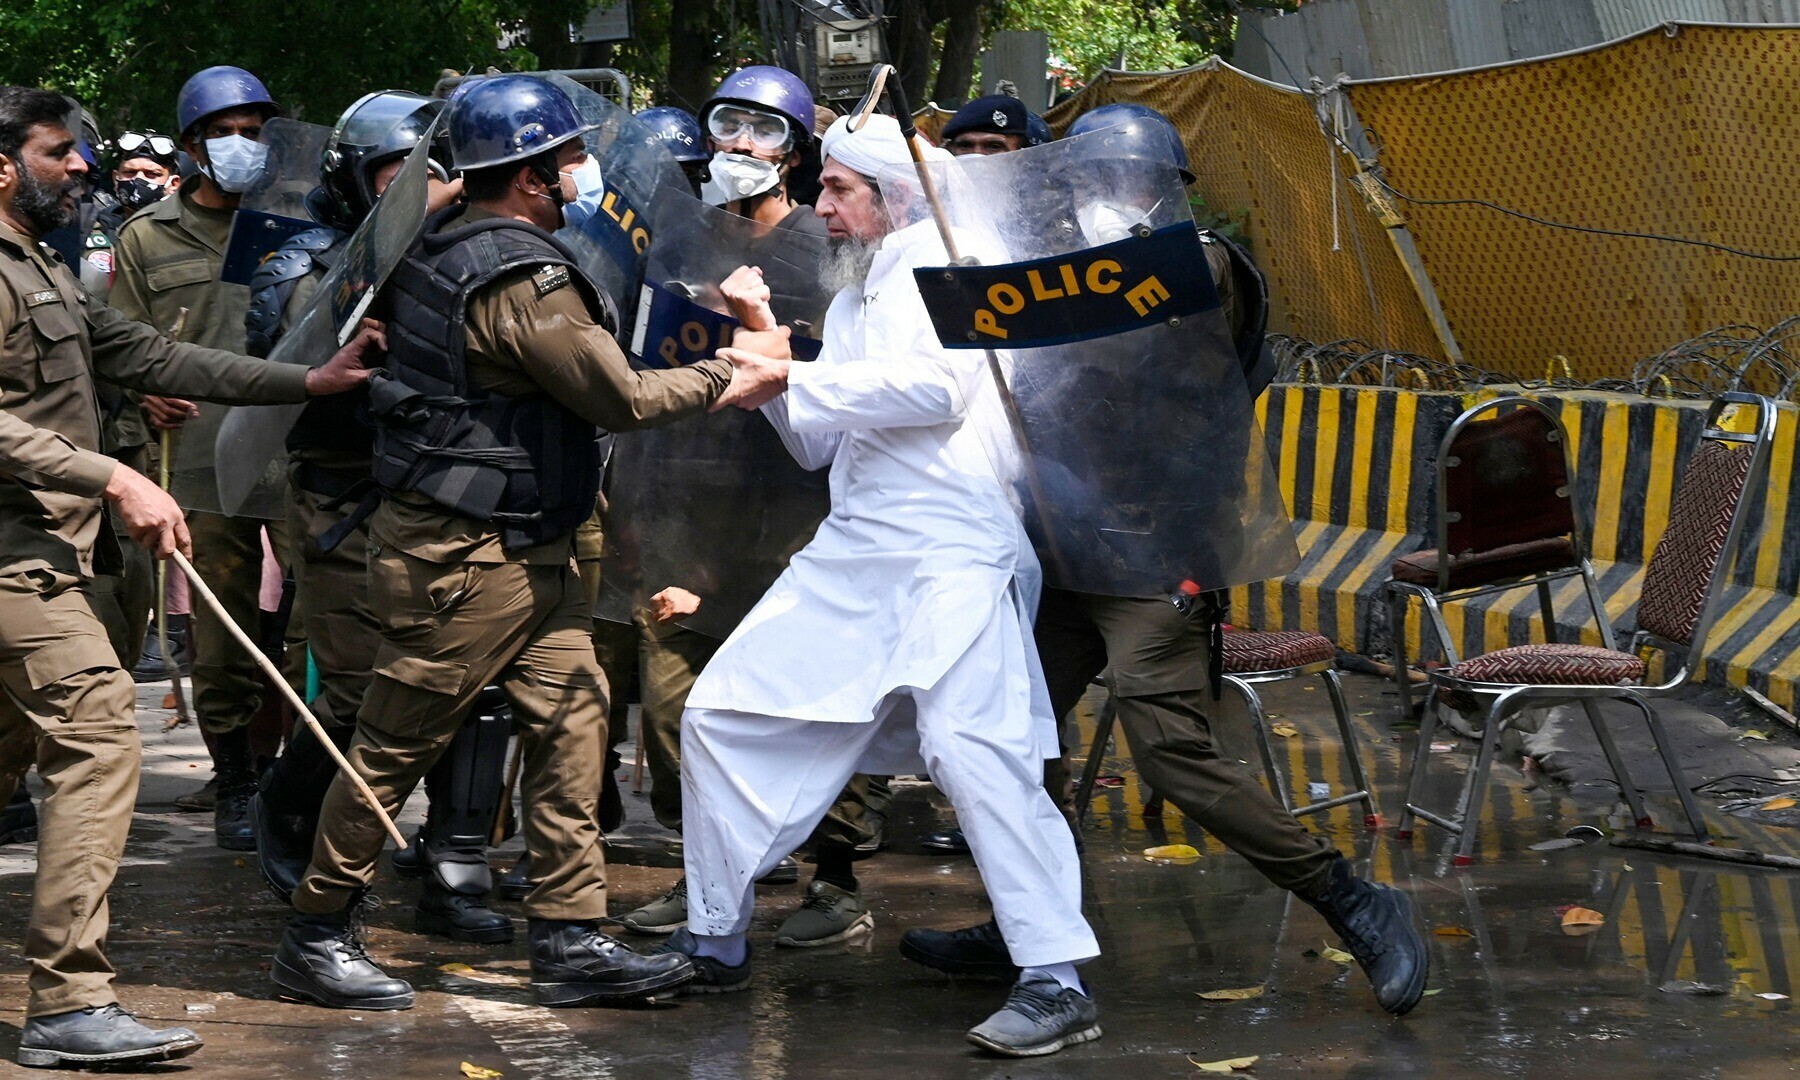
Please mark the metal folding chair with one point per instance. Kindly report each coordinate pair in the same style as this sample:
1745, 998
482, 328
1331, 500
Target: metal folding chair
1679, 604
1506, 520
1254, 657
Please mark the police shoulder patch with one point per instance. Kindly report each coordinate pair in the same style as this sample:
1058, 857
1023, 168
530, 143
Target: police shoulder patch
550, 279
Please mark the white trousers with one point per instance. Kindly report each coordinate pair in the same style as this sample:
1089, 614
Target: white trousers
756, 786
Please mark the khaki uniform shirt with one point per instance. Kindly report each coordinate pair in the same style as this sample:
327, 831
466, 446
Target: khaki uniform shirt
168, 257
54, 340
526, 341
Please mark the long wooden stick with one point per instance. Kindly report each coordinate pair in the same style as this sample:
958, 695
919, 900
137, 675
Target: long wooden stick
171, 666
274, 674
498, 836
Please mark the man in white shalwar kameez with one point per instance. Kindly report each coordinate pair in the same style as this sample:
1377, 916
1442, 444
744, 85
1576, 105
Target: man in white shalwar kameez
898, 640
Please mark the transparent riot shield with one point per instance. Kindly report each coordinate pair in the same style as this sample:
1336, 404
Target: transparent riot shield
611, 240
252, 442
1130, 433
270, 210
713, 503
275, 206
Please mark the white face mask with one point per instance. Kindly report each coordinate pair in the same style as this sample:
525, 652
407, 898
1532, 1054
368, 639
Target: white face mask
1104, 222
582, 189
234, 162
738, 176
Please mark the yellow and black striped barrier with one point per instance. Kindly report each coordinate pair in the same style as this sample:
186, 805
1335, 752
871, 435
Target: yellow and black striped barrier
1357, 467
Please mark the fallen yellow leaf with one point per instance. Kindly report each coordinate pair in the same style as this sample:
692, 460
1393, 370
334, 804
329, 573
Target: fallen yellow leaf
1780, 804
476, 1072
1224, 1066
1452, 931
1283, 729
1578, 921
1760, 736
456, 969
1171, 851
1432, 991
1243, 993
1337, 956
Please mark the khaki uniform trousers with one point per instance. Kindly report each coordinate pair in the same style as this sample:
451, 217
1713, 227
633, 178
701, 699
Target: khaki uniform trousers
122, 602
228, 555
1156, 661
331, 615
64, 691
448, 630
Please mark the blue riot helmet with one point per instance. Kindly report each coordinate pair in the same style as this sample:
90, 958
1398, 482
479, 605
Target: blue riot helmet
216, 90
759, 89
510, 119
377, 129
677, 130
1114, 115
1037, 132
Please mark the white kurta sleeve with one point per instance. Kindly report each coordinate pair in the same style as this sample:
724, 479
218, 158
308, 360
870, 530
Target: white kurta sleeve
855, 395
813, 450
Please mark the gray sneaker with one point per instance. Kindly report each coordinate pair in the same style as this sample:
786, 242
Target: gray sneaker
663, 915
828, 914
1040, 1017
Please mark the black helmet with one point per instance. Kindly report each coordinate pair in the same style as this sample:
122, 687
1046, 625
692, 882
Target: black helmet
377, 129
510, 118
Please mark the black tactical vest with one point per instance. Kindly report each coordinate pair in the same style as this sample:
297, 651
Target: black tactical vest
527, 464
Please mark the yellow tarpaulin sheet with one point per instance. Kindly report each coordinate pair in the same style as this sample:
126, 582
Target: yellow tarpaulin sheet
1689, 131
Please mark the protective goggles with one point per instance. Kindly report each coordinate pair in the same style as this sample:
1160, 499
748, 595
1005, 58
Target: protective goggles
134, 144
767, 131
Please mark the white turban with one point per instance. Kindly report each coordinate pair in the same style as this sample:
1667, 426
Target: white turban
874, 146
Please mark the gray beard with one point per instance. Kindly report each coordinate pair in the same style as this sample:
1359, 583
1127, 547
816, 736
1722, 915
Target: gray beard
847, 265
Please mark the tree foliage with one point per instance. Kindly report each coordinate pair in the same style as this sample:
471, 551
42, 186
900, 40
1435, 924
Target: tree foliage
126, 59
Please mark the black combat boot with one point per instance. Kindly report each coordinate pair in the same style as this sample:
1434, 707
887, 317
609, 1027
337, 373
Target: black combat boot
322, 959
516, 885
18, 819
453, 899
573, 963
99, 1036
235, 767
409, 861
976, 950
150, 666
1376, 925
284, 814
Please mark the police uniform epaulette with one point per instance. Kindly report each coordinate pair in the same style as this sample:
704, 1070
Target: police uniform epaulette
550, 279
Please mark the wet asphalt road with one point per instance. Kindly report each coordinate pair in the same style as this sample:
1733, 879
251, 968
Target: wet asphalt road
1668, 987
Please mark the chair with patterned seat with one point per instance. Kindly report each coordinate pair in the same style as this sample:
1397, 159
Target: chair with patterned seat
1253, 657
1505, 520
1679, 604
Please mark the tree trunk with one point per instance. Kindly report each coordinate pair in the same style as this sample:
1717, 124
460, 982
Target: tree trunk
690, 77
911, 45
962, 45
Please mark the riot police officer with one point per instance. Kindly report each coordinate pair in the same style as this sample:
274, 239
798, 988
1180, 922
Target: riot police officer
502, 373
329, 474
680, 134
169, 258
